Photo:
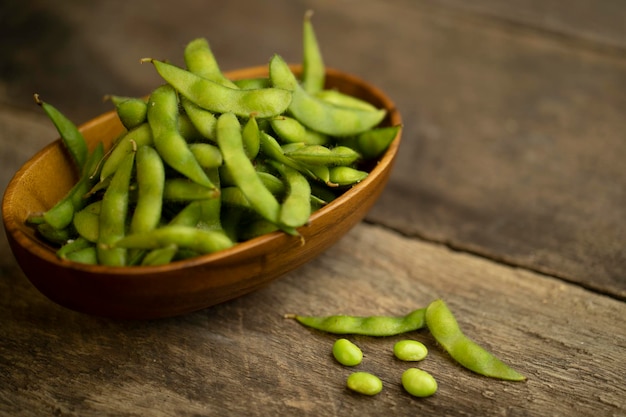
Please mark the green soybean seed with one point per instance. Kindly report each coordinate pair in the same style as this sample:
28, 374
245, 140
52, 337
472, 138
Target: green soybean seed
347, 353
364, 383
367, 326
419, 383
263, 102
445, 329
410, 350
71, 137
162, 117
317, 114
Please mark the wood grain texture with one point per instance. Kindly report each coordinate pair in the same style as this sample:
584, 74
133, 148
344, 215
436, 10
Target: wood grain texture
243, 357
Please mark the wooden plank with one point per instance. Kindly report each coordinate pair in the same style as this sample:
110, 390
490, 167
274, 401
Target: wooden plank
243, 357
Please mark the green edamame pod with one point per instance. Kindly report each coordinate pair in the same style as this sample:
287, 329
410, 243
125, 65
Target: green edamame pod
150, 174
445, 329
54, 235
318, 114
128, 143
162, 118
72, 246
71, 137
322, 155
313, 69
295, 209
184, 190
291, 130
207, 155
203, 120
338, 98
251, 137
253, 83
200, 60
230, 142
160, 256
130, 110
86, 255
193, 238
367, 326
113, 214
264, 102
344, 176
62, 213
86, 221
372, 143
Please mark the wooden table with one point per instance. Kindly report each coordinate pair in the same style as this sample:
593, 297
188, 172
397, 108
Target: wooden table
507, 201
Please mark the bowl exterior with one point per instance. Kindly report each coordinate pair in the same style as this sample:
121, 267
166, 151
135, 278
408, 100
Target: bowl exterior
184, 286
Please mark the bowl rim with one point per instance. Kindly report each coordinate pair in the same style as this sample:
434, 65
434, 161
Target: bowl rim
41, 250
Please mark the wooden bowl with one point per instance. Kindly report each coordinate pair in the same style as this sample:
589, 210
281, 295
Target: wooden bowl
147, 292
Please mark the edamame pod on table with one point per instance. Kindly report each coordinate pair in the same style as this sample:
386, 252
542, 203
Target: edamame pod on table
71, 137
317, 114
162, 118
264, 102
367, 326
445, 329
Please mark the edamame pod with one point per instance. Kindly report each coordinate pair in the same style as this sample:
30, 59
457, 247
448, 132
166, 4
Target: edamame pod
322, 155
207, 155
182, 189
126, 144
113, 212
264, 102
130, 110
342, 175
86, 221
62, 213
251, 137
193, 238
70, 135
313, 69
162, 118
445, 329
150, 174
291, 130
295, 209
367, 326
230, 142
200, 60
203, 120
318, 114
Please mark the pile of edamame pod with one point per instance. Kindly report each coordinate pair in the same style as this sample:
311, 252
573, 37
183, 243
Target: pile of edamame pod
206, 162
437, 318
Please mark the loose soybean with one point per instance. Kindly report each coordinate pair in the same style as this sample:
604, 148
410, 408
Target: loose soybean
410, 350
419, 383
364, 383
347, 353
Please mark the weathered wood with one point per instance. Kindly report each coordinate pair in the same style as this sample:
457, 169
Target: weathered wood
243, 357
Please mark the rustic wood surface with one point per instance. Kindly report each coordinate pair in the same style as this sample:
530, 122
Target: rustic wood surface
507, 201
